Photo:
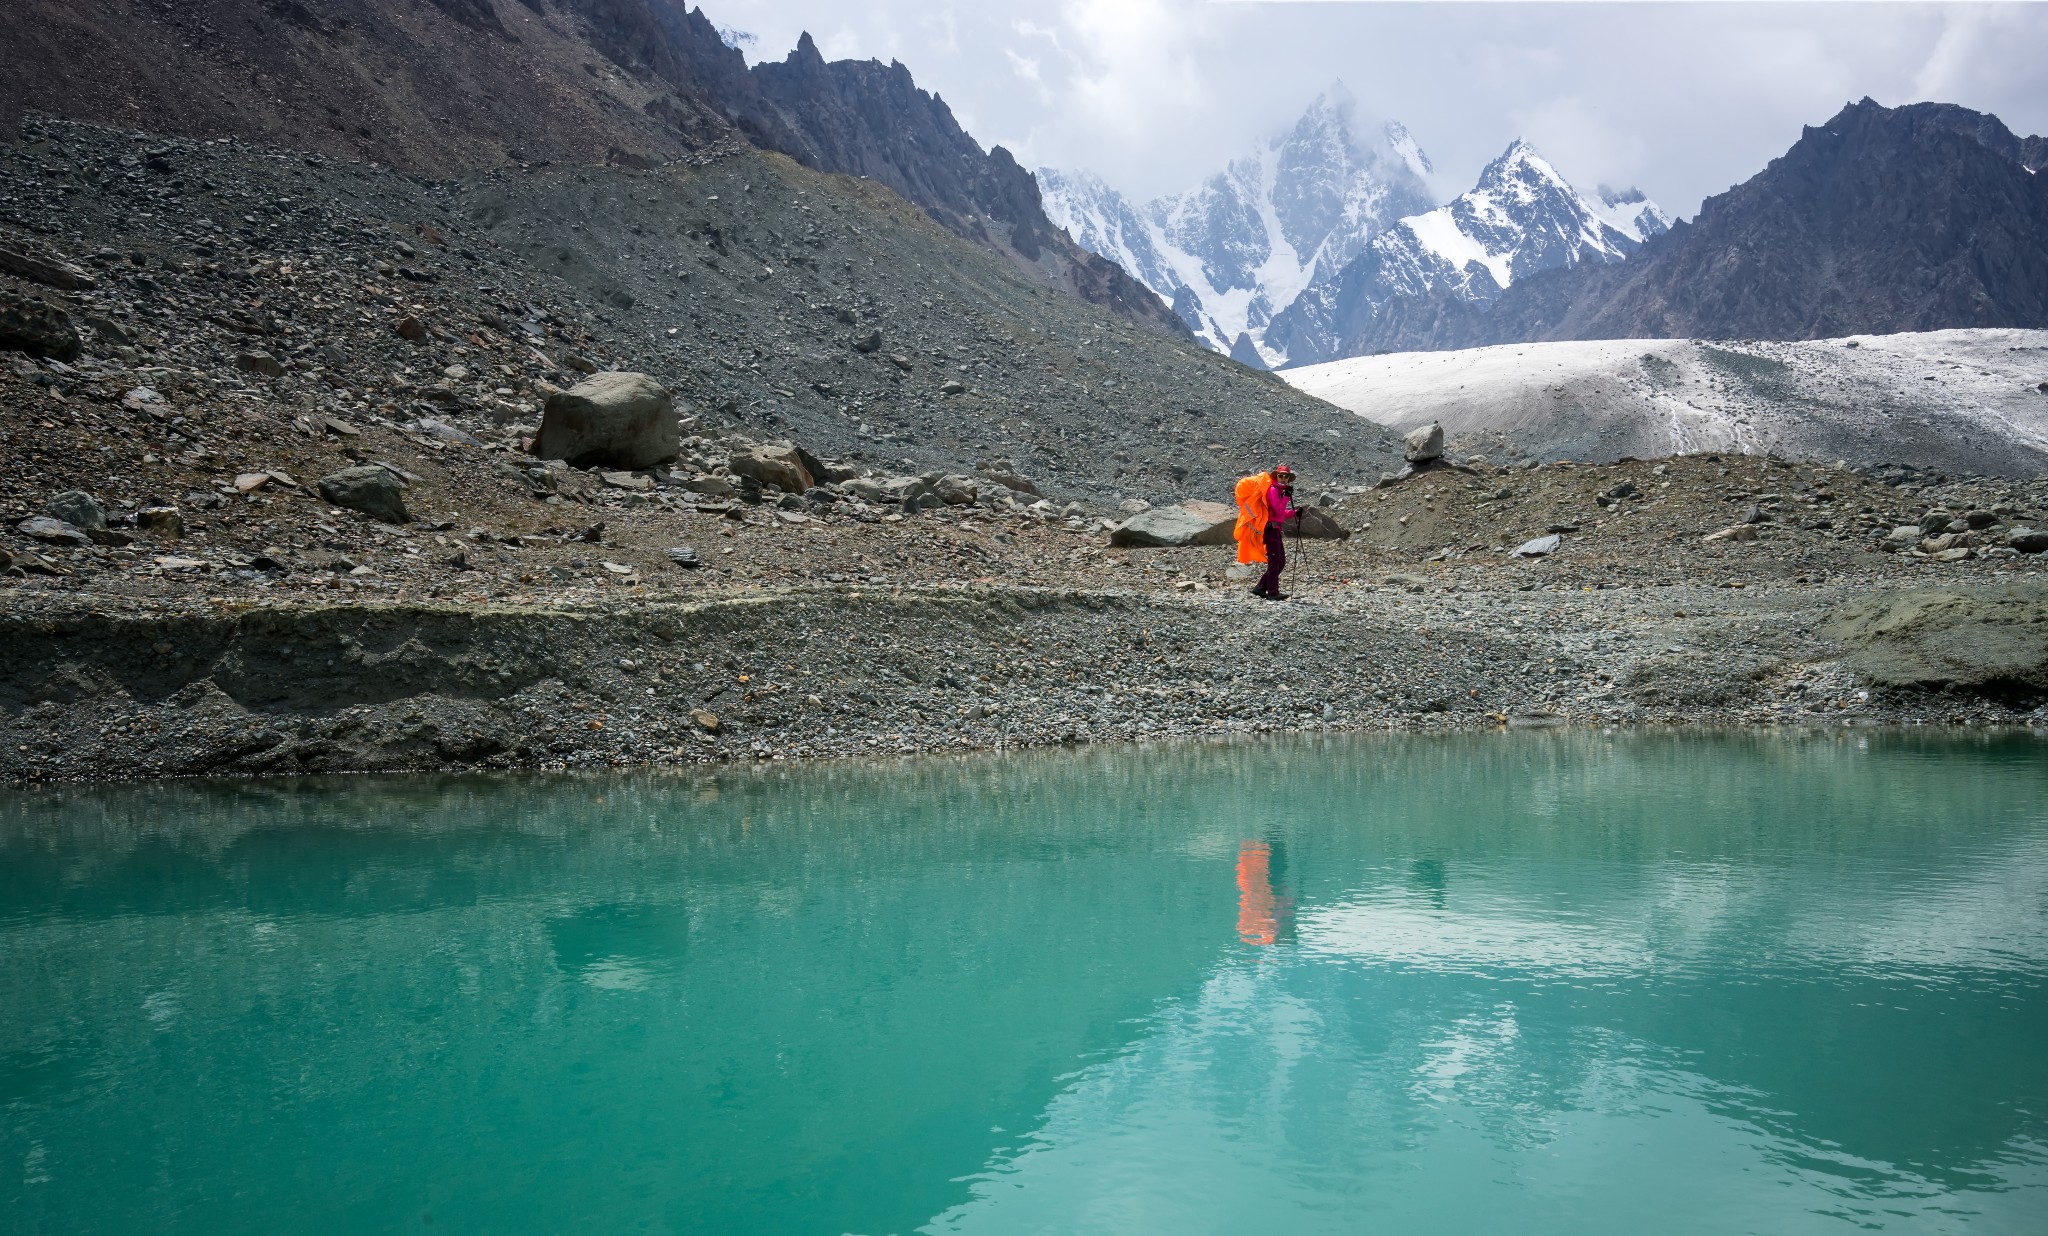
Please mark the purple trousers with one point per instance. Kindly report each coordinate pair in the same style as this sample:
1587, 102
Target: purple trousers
1276, 561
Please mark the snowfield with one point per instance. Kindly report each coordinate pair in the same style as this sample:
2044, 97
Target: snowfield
1966, 401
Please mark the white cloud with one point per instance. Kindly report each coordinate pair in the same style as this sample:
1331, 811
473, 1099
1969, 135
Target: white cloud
1989, 56
1681, 99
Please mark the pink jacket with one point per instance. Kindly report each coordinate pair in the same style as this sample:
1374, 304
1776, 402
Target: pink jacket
1278, 509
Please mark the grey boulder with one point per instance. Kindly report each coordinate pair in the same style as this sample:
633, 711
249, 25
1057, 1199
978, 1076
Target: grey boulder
1317, 524
1424, 444
955, 490
1172, 527
2027, 540
52, 531
79, 509
372, 489
1542, 546
610, 420
32, 325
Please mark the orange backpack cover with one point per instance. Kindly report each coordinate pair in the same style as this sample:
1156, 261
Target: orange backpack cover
1252, 517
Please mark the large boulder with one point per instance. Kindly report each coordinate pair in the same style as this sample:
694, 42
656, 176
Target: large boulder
1991, 641
1173, 527
372, 489
31, 324
1317, 524
780, 466
1425, 444
610, 420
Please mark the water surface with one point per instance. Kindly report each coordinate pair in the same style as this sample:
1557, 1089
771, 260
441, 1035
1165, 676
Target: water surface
1527, 983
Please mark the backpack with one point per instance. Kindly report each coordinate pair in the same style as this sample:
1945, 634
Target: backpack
1252, 517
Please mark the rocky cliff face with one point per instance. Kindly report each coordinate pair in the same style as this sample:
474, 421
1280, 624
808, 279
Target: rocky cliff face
864, 118
454, 86
1882, 220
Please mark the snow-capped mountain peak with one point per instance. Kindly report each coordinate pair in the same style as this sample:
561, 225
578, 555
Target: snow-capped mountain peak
1242, 245
1276, 257
1522, 216
1628, 211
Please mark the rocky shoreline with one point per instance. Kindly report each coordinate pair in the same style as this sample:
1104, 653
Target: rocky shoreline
104, 689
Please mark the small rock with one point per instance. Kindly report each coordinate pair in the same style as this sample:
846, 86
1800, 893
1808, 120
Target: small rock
410, 329
52, 531
706, 721
581, 364
1542, 546
955, 490
1134, 506
901, 361
30, 324
260, 363
1959, 554
442, 431
685, 557
1933, 523
1740, 532
372, 489
618, 568
250, 482
1752, 514
22, 258
781, 466
870, 342
12, 560
1980, 519
632, 481
1424, 444
79, 509
161, 521
340, 428
1011, 480
711, 486
952, 386
2027, 540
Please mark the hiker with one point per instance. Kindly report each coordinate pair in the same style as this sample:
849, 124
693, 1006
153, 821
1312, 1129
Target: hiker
1264, 503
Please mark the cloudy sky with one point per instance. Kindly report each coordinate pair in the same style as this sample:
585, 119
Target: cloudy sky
1681, 99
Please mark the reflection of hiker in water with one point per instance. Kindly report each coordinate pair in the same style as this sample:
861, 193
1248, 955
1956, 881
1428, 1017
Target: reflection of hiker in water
1429, 878
1265, 914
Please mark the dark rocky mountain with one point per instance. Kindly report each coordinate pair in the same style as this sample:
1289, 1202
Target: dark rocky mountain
456, 86
1914, 218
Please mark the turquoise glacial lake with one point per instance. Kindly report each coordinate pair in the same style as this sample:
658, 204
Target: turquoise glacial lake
1515, 983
